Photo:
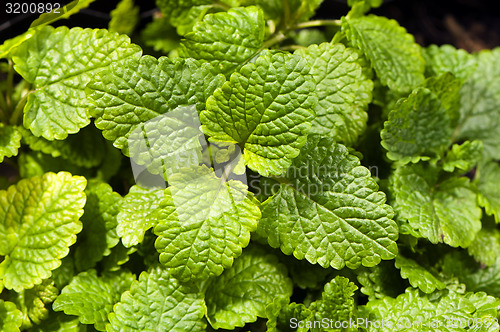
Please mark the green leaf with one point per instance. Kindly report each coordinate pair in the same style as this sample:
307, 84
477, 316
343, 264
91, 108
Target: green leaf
282, 315
330, 210
10, 317
227, 40
157, 299
418, 276
381, 281
38, 219
124, 17
160, 35
486, 246
203, 223
441, 212
479, 115
99, 225
463, 156
392, 52
33, 302
10, 141
136, 214
82, 149
343, 92
429, 314
137, 91
266, 107
60, 63
336, 303
241, 294
446, 58
59, 322
488, 186
447, 88
91, 297
417, 129
37, 164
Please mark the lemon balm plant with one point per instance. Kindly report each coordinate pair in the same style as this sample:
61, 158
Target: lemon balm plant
251, 203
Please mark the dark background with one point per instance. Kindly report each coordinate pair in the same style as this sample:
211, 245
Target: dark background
469, 24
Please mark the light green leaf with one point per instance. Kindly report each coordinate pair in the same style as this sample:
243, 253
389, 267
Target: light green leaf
267, 107
203, 223
160, 35
136, 214
486, 246
430, 314
38, 219
227, 40
463, 156
488, 186
447, 88
62, 13
280, 312
381, 281
479, 114
137, 91
441, 212
91, 297
99, 225
83, 149
392, 52
308, 37
33, 302
10, 317
157, 299
418, 276
37, 164
446, 58
10, 141
124, 17
419, 128
336, 303
60, 63
240, 294
330, 211
343, 92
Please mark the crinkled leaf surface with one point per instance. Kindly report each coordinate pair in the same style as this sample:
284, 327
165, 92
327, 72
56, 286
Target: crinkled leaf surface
418, 127
486, 246
330, 210
60, 63
39, 219
85, 149
463, 156
242, 292
10, 141
10, 317
418, 276
91, 297
266, 107
480, 104
488, 185
392, 52
99, 225
203, 223
380, 281
280, 311
343, 92
446, 58
136, 214
137, 91
157, 299
441, 212
35, 302
227, 40
413, 307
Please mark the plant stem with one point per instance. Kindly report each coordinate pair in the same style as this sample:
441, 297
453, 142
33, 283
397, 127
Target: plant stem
221, 5
3, 109
19, 110
292, 47
10, 86
317, 23
275, 39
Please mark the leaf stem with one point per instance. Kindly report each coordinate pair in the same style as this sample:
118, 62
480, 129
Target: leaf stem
10, 85
275, 39
18, 110
221, 5
3, 109
317, 23
292, 48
